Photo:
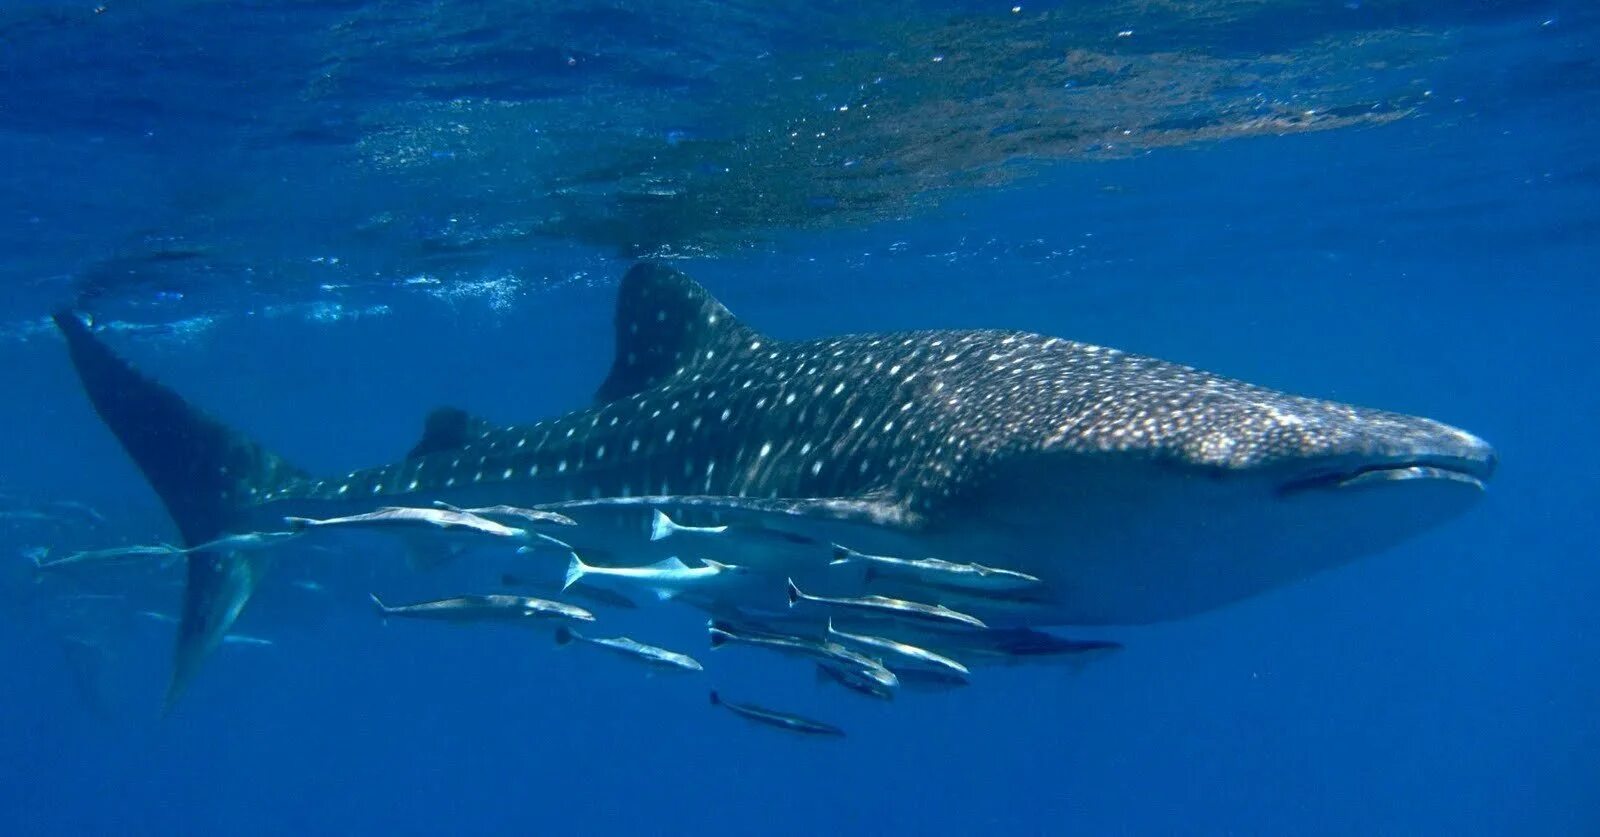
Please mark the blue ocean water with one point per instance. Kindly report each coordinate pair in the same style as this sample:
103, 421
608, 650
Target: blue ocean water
321, 220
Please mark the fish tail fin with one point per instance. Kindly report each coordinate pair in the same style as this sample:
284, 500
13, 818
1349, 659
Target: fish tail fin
204, 472
564, 636
794, 594
378, 605
575, 571
716, 700
841, 555
661, 526
719, 633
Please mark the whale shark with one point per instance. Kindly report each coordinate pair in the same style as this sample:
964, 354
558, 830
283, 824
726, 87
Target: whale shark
1134, 490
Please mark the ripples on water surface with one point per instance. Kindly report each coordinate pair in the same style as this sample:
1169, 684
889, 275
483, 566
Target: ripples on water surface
265, 154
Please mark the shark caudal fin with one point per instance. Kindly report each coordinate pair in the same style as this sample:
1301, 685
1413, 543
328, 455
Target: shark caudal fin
204, 472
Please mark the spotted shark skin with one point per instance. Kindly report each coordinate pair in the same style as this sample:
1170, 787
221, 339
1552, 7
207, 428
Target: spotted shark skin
910, 419
1136, 489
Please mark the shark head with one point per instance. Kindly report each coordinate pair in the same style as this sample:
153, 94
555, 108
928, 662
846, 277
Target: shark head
1168, 491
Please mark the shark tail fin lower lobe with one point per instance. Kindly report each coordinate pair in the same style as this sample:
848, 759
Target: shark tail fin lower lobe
205, 473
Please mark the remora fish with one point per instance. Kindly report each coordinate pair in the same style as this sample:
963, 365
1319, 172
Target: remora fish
402, 517
935, 571
662, 526
774, 718
240, 543
245, 541
886, 605
1136, 490
634, 650
823, 652
95, 556
920, 657
665, 578
493, 607
530, 515
860, 681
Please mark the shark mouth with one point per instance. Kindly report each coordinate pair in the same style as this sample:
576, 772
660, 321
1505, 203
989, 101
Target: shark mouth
1473, 471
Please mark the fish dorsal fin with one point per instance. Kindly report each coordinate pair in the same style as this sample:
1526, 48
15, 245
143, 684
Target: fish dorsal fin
667, 322
668, 565
447, 428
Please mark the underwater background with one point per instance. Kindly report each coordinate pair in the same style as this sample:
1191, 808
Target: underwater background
320, 220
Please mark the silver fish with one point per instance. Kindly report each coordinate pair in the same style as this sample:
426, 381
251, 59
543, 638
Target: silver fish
884, 604
662, 527
493, 607
936, 571
860, 681
774, 718
665, 579
404, 517
659, 658
831, 653
921, 657
246, 639
95, 556
244, 541
530, 515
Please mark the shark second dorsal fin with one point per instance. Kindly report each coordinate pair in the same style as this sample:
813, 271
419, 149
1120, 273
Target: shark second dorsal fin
447, 428
667, 322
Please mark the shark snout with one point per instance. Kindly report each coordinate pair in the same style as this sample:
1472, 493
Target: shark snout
1402, 449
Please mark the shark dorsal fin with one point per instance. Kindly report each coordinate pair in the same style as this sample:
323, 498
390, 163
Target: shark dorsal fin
447, 428
667, 322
